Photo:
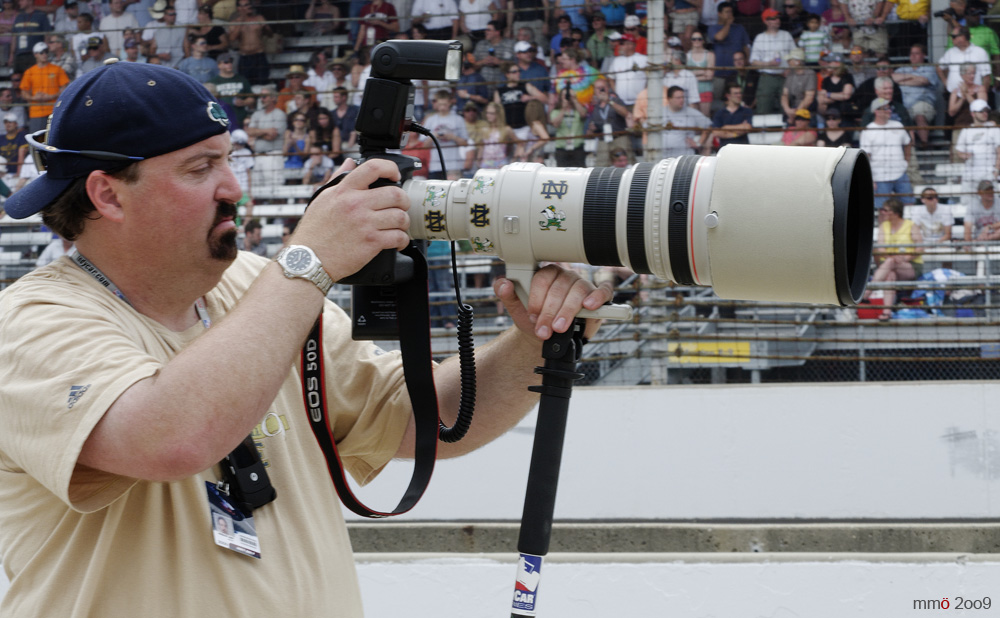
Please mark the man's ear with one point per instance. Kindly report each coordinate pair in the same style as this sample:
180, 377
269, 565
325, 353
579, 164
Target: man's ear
102, 188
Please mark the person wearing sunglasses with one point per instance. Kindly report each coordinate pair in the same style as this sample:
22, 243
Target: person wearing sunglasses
935, 219
133, 367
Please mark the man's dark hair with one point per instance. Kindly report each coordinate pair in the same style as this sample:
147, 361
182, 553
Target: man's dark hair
496, 23
69, 213
671, 91
253, 225
724, 5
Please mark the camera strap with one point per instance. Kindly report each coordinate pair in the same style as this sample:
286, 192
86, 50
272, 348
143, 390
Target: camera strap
415, 345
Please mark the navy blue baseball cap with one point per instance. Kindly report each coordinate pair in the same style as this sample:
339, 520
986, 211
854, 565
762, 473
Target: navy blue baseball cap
110, 117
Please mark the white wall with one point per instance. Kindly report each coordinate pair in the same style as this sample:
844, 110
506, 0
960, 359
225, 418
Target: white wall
482, 588
812, 451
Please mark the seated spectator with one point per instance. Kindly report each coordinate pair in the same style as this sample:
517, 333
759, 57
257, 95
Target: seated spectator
859, 65
837, 91
744, 77
514, 95
471, 87
935, 220
294, 84
318, 169
538, 133
919, 84
685, 128
951, 63
324, 134
241, 162
699, 56
345, 117
198, 65
726, 37
884, 90
632, 29
865, 93
978, 145
867, 21
732, 123
888, 146
297, 142
475, 15
677, 75
684, 19
161, 39
793, 19
910, 26
799, 91
814, 40
60, 56
568, 138
439, 17
216, 37
13, 145
491, 54
834, 135
982, 219
960, 99
378, 23
267, 125
449, 128
494, 139
627, 71
619, 158
896, 263
55, 250
233, 88
599, 45
113, 25
82, 39
323, 17
799, 133
578, 76
252, 239
767, 55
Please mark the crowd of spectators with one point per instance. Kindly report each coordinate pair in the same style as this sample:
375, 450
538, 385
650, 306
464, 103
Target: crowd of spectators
560, 81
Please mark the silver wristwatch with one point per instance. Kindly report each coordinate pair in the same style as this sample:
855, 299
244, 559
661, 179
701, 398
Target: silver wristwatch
299, 261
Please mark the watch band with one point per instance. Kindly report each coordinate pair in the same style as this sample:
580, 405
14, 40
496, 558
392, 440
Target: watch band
316, 273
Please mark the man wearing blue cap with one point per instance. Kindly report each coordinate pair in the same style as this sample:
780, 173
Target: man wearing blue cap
123, 390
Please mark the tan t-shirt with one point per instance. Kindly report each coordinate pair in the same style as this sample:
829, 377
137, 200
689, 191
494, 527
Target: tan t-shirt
78, 542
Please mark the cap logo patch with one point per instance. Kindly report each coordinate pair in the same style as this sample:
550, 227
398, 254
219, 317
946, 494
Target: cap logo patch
217, 114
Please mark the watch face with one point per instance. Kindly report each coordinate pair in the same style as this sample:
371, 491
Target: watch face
298, 260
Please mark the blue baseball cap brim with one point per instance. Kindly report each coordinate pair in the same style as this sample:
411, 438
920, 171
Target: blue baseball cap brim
136, 110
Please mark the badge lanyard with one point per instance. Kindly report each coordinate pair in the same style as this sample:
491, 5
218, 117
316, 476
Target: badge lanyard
245, 478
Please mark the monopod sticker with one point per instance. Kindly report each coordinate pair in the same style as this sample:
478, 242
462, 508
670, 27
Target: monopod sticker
529, 573
552, 219
552, 189
480, 215
435, 196
482, 245
481, 185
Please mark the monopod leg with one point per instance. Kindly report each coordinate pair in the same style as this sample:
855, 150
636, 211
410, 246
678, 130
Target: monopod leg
561, 353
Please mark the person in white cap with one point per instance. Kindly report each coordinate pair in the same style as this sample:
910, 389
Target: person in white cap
13, 146
888, 146
978, 145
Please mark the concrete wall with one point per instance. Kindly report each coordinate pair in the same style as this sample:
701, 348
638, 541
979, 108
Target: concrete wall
875, 451
685, 588
899, 451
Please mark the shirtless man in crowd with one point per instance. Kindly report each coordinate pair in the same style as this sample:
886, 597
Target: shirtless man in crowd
248, 32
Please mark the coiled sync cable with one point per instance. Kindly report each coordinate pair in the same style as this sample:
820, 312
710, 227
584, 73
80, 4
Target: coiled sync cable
466, 347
